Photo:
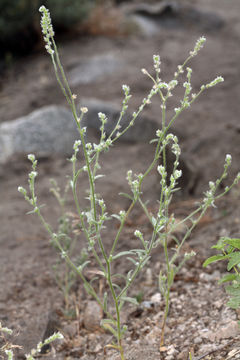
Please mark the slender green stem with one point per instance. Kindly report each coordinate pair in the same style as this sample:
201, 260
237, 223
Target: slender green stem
119, 336
121, 227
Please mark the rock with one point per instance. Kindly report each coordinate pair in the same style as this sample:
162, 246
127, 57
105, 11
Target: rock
92, 316
153, 336
215, 276
51, 130
143, 25
44, 132
70, 330
170, 14
155, 9
156, 298
38, 328
143, 130
231, 330
93, 69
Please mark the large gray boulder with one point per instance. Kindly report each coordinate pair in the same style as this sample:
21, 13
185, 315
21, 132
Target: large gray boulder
51, 130
47, 131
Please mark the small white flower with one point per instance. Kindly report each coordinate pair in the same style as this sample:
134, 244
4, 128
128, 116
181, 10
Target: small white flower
84, 110
137, 233
31, 157
228, 159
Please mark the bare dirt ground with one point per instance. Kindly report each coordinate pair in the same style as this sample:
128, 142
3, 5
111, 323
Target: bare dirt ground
198, 319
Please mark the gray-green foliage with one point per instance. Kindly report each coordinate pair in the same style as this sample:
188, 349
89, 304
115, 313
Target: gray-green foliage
94, 219
230, 251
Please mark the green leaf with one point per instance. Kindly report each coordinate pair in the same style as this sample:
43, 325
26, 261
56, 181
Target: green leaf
98, 176
108, 321
124, 329
129, 299
132, 260
233, 290
126, 195
118, 217
214, 259
138, 251
234, 302
171, 276
31, 212
145, 261
129, 274
105, 302
122, 253
234, 260
228, 277
106, 324
116, 286
220, 244
233, 242
82, 266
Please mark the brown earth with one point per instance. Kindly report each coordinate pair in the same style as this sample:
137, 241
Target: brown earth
198, 319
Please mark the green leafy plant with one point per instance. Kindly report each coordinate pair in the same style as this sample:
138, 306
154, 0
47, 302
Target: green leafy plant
95, 218
230, 251
8, 347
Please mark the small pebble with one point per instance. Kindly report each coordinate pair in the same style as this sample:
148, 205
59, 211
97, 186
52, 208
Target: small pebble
92, 316
156, 298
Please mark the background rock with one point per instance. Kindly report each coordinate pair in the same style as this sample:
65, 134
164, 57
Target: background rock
93, 69
151, 18
143, 130
51, 130
92, 316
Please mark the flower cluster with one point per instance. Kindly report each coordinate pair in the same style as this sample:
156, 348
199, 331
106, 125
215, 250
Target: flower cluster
47, 29
198, 46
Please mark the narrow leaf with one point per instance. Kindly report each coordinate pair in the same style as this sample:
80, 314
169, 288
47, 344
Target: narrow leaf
99, 176
129, 299
110, 328
132, 260
105, 302
214, 258
228, 277
145, 261
108, 321
125, 195
122, 253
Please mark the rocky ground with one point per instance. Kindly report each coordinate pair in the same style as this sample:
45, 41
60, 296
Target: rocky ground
30, 301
